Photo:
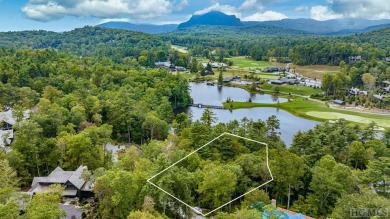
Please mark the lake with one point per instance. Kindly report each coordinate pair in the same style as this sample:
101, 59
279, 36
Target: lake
212, 95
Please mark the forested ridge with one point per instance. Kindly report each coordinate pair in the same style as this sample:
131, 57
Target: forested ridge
259, 42
87, 41
264, 42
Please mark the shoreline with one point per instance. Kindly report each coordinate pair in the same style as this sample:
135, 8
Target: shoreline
316, 111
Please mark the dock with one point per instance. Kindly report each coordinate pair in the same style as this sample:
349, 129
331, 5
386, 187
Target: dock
200, 105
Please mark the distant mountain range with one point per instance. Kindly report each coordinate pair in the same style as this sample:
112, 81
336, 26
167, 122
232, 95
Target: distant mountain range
216, 18
146, 28
326, 27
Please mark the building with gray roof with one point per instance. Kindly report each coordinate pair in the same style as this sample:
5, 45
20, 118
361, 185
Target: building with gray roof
74, 184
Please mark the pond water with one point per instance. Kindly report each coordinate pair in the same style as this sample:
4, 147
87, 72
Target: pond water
214, 95
211, 95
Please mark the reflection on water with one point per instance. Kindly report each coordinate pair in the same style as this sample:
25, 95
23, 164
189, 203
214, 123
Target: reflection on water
214, 95
289, 124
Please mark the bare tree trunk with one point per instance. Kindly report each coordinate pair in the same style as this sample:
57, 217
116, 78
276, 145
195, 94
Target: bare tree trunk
128, 132
289, 194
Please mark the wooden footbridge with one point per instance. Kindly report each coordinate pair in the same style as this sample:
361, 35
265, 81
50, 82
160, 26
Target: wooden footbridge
200, 105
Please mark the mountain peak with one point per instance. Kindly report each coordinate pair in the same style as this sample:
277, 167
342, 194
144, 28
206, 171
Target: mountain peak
212, 18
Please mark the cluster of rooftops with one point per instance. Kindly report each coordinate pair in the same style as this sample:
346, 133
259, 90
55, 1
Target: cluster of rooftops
72, 181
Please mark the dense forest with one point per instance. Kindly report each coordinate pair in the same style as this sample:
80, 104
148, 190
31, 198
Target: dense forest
90, 41
264, 42
69, 94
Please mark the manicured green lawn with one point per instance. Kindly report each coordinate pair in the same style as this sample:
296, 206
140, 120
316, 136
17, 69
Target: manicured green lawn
241, 62
305, 108
294, 89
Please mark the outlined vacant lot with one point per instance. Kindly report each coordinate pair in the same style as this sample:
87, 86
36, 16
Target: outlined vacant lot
198, 150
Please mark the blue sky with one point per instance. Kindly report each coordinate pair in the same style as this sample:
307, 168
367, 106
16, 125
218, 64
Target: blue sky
62, 15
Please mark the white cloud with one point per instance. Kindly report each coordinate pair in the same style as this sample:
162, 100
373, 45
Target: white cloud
105, 20
370, 9
266, 16
227, 9
250, 5
46, 10
302, 8
322, 13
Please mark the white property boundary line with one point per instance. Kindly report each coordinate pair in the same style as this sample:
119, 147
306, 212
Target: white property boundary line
204, 215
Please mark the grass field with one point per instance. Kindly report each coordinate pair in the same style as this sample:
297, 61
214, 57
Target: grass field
315, 71
232, 72
180, 48
352, 118
308, 109
293, 89
244, 63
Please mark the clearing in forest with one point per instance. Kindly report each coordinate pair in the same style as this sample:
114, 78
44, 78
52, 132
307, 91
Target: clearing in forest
315, 71
245, 63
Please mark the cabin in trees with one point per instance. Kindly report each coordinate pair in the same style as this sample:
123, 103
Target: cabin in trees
215, 64
272, 69
357, 92
387, 59
7, 121
74, 185
355, 58
163, 64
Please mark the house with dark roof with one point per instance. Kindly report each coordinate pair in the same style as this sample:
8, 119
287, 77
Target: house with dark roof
227, 80
339, 102
272, 69
207, 72
74, 184
355, 58
162, 64
7, 121
277, 82
357, 92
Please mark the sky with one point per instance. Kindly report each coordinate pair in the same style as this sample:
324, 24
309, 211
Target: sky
64, 15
